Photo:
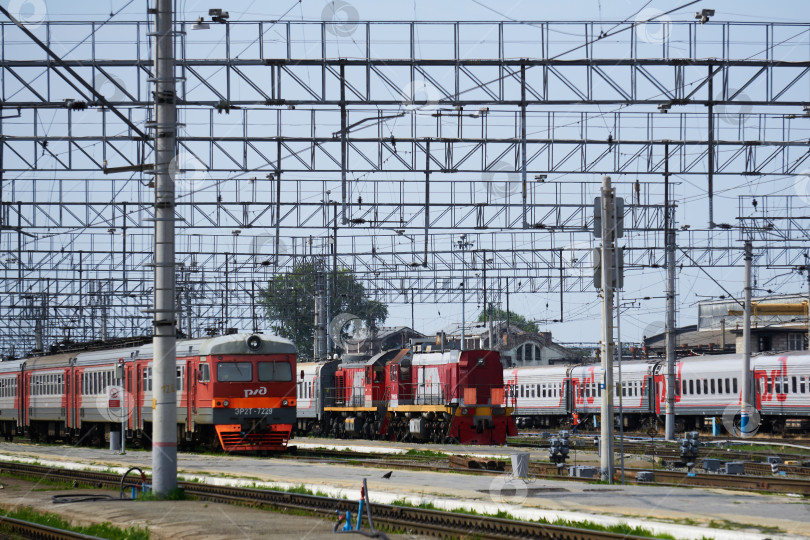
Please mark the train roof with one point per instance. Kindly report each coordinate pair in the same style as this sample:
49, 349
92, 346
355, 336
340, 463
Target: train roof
450, 356
556, 369
238, 344
230, 344
49, 362
10, 366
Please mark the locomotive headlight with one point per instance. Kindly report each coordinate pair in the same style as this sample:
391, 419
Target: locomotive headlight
284, 402
254, 343
226, 403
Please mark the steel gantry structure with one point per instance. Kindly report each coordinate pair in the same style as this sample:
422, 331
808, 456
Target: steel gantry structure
374, 145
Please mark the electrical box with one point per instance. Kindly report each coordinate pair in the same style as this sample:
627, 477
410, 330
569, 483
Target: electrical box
417, 426
597, 269
597, 217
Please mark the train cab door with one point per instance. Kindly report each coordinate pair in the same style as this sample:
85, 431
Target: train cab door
190, 383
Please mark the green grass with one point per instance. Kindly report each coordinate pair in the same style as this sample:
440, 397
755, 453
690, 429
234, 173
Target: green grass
413, 452
103, 530
177, 494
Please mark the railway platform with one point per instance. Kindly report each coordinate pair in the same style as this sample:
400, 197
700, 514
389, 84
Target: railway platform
678, 511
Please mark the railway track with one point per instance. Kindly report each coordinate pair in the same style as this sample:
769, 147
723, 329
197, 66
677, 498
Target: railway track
414, 520
27, 529
669, 450
758, 476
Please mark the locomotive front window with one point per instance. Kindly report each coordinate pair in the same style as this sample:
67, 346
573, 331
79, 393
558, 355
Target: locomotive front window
275, 371
235, 371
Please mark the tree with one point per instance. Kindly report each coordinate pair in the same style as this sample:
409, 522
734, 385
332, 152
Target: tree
289, 301
497, 314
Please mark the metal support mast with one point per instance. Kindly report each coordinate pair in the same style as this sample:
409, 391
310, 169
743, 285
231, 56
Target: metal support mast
164, 431
607, 269
669, 232
746, 404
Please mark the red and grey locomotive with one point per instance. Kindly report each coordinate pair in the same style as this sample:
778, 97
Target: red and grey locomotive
235, 391
402, 394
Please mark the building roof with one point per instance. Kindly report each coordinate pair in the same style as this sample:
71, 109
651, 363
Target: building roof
385, 331
691, 337
476, 328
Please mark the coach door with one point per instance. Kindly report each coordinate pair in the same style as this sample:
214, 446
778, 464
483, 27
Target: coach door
569, 395
190, 376
20, 399
649, 395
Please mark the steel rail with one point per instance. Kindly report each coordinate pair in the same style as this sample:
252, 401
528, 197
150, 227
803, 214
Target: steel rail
415, 520
28, 529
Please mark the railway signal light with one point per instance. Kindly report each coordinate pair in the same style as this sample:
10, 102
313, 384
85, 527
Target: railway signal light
558, 451
689, 448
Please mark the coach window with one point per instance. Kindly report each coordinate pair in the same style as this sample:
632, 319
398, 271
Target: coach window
705, 386
277, 371
728, 386
698, 386
205, 373
180, 373
149, 379
734, 383
235, 371
795, 387
712, 381
801, 385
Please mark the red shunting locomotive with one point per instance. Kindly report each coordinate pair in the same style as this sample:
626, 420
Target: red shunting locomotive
449, 396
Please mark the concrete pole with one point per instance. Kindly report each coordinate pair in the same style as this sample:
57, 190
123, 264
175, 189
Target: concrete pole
746, 401
619, 349
164, 430
670, 294
606, 449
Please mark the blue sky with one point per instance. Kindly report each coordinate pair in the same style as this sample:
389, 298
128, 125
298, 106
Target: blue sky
581, 308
